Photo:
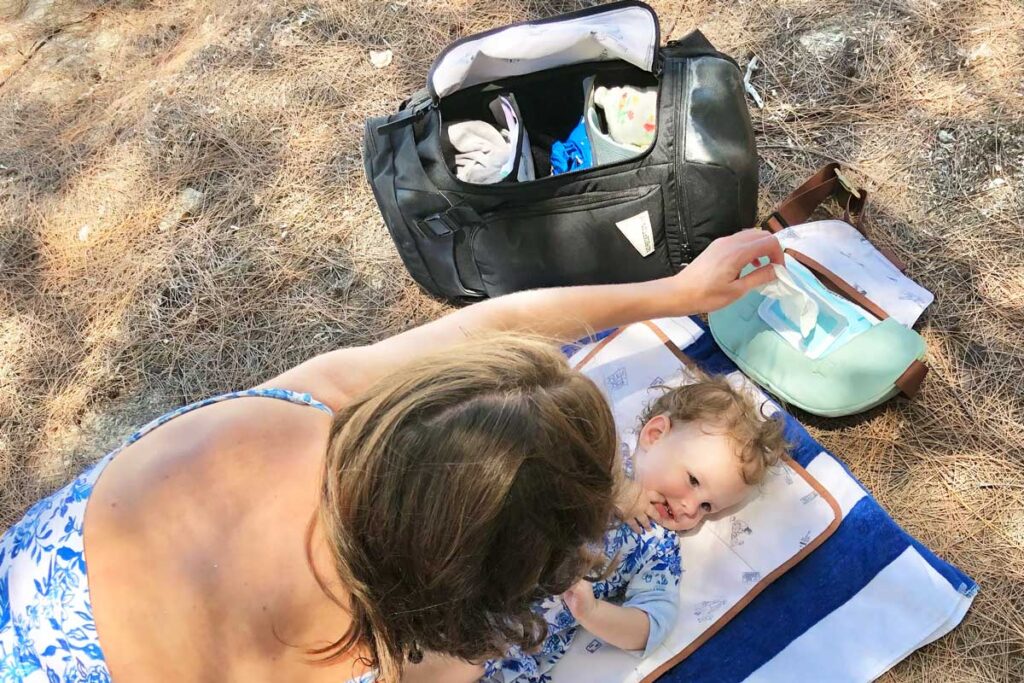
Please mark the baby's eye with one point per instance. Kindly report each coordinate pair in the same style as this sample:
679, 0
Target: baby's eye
693, 481
706, 507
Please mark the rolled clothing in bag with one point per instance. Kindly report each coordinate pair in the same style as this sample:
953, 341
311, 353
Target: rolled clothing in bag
630, 219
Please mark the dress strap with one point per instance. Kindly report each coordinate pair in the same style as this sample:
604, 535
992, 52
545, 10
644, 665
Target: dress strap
281, 394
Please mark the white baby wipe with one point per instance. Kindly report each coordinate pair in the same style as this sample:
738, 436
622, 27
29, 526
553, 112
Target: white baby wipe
796, 303
806, 315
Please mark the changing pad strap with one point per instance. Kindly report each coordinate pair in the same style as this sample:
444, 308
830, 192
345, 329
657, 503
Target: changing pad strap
828, 181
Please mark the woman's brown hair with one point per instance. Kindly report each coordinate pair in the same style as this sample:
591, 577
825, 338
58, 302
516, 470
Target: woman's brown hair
459, 490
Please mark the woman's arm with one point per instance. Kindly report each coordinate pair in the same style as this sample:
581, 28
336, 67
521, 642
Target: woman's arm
568, 313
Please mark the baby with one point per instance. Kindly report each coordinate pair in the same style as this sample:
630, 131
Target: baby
702, 448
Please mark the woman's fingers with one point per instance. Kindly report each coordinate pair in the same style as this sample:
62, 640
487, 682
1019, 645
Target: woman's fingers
756, 278
749, 234
709, 282
762, 244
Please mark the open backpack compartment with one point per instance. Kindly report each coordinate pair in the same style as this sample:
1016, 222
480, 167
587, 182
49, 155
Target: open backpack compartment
569, 150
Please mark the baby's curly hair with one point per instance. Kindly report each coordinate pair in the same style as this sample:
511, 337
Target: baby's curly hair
713, 401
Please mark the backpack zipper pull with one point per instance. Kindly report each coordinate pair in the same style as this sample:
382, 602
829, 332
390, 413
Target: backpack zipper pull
414, 114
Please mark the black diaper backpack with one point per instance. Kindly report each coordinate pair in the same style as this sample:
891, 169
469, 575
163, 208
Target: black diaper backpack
528, 94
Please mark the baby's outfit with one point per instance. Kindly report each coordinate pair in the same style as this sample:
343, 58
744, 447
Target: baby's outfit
486, 155
646, 577
631, 114
573, 153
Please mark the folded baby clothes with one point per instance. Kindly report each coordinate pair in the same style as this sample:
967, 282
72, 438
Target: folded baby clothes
506, 113
483, 151
486, 155
572, 154
631, 113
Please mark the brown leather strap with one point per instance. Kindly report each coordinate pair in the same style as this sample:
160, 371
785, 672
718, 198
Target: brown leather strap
893, 258
801, 202
838, 284
909, 383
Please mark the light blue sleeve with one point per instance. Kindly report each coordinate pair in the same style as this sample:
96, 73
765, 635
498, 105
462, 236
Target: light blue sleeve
654, 587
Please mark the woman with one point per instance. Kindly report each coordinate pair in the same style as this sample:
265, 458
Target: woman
365, 507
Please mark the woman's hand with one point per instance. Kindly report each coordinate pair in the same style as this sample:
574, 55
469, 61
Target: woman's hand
580, 599
712, 280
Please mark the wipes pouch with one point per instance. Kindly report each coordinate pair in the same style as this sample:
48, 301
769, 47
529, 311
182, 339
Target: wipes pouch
809, 317
814, 338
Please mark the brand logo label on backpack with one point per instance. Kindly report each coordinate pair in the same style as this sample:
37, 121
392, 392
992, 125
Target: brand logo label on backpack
637, 230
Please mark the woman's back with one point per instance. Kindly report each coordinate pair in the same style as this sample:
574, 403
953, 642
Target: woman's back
197, 565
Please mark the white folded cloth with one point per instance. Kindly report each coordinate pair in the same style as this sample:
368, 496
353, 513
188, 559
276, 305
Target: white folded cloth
483, 152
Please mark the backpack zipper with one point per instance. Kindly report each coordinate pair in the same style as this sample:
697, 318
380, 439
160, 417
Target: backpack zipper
680, 160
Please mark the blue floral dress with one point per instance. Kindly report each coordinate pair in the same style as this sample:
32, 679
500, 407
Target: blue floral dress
47, 630
646, 577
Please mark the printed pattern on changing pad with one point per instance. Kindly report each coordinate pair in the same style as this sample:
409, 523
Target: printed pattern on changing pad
864, 599
647, 563
729, 559
849, 254
47, 629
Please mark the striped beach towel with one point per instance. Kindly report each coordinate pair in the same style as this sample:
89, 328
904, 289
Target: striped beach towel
865, 596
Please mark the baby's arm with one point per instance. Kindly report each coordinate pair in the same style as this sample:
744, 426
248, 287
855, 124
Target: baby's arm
626, 628
652, 597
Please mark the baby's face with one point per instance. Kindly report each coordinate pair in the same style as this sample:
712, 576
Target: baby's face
694, 466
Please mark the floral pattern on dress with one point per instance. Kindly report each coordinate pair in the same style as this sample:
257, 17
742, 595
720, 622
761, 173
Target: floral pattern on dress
645, 562
47, 629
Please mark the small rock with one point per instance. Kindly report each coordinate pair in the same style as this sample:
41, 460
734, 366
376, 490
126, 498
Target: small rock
189, 201
980, 52
380, 58
946, 136
825, 44
83, 232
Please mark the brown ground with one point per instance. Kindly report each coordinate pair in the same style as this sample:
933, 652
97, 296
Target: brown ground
123, 292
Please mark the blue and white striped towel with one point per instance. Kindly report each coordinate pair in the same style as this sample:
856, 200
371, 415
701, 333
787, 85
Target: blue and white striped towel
863, 600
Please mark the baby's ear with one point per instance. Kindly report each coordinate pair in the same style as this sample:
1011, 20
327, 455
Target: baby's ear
654, 429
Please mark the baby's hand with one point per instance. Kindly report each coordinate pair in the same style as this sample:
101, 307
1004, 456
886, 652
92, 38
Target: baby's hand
637, 507
580, 599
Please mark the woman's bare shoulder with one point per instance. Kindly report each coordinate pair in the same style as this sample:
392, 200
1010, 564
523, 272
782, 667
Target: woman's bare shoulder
197, 520
217, 456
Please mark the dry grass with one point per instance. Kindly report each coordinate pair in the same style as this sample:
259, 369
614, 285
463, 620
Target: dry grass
110, 110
